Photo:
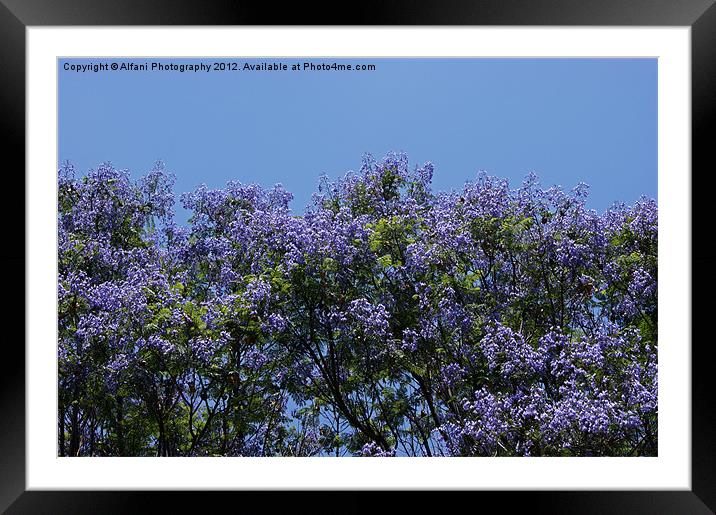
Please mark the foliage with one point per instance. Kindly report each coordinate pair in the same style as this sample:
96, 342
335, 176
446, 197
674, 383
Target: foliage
386, 320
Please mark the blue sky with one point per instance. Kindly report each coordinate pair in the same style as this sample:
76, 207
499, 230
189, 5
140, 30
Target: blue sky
568, 120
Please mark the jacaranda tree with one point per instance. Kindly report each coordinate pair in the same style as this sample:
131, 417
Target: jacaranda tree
386, 320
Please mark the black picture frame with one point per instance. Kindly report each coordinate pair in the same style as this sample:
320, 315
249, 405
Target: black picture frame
17, 15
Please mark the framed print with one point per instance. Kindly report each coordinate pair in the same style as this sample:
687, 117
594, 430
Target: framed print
260, 249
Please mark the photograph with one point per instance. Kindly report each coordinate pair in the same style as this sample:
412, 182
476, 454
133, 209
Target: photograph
465, 240
357, 257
